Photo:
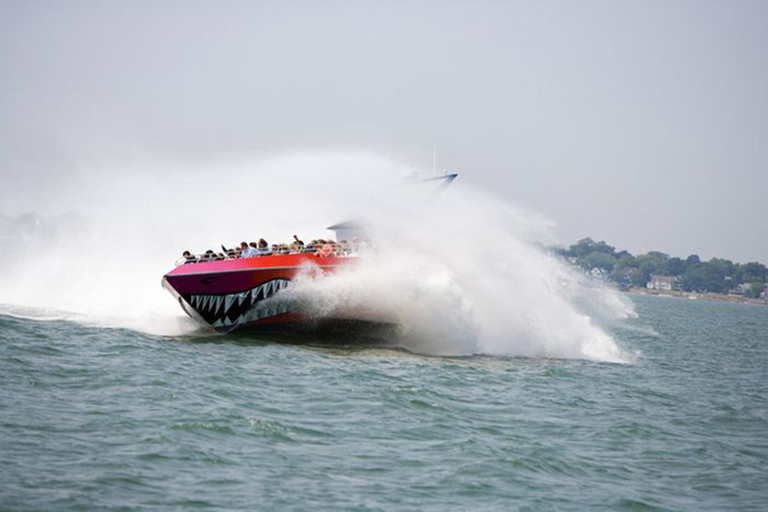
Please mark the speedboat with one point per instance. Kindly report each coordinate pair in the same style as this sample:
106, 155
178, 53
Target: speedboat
239, 293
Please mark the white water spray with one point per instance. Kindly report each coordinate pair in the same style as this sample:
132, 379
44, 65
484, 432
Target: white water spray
460, 273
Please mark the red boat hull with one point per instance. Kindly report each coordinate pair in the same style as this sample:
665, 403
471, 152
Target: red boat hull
245, 293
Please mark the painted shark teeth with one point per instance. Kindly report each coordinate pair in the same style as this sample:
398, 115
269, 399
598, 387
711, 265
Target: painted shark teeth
224, 311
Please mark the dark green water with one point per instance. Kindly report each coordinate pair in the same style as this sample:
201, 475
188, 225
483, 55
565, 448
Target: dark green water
94, 418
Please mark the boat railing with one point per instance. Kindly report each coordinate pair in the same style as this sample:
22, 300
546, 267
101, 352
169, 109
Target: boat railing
337, 252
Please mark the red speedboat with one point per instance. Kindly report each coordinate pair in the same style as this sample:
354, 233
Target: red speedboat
236, 293
244, 292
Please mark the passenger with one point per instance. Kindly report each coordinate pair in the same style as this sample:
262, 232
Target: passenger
188, 257
208, 256
220, 257
298, 242
264, 248
294, 248
325, 250
248, 252
275, 249
284, 249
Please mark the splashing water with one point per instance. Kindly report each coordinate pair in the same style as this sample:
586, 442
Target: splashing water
460, 273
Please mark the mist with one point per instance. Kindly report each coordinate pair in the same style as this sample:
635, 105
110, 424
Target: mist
173, 126
459, 274
628, 122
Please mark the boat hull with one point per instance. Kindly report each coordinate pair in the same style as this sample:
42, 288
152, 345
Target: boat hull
246, 293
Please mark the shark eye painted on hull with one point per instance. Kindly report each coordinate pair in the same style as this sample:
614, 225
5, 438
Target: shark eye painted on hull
231, 310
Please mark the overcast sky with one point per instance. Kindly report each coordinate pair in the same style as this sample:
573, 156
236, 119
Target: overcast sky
644, 123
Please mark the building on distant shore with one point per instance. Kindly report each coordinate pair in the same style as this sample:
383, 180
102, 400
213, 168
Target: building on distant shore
662, 283
625, 277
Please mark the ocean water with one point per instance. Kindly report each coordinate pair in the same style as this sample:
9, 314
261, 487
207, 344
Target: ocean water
113, 419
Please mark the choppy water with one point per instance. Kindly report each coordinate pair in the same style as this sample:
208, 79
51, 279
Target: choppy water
95, 418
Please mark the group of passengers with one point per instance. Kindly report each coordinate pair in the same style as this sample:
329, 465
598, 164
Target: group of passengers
319, 247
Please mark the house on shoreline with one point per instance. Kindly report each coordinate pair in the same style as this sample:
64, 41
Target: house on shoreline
661, 283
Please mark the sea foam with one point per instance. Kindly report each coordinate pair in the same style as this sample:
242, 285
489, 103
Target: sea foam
461, 273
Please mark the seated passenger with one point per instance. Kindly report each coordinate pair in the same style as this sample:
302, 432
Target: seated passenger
325, 250
188, 257
264, 248
248, 252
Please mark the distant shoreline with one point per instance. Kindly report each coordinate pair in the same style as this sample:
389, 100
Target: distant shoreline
714, 297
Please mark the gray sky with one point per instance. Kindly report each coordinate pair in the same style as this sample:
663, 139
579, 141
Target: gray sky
644, 123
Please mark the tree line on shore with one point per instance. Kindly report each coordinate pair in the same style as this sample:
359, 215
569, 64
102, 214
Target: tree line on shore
717, 275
